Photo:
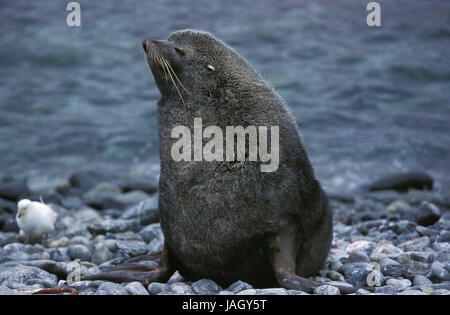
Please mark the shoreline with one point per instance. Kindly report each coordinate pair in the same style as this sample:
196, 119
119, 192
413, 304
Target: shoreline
397, 242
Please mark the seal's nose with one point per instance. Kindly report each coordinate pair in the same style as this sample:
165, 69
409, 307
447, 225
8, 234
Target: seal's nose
145, 44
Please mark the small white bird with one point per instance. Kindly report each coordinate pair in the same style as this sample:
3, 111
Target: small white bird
35, 219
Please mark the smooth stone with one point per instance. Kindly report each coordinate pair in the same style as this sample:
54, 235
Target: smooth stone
42, 185
394, 270
420, 256
385, 250
150, 232
8, 238
424, 231
155, 246
79, 252
415, 268
14, 190
111, 244
176, 277
388, 289
335, 276
444, 236
61, 242
224, 292
4, 290
416, 244
21, 275
239, 286
443, 257
70, 227
136, 288
85, 180
426, 214
388, 261
113, 226
206, 286
362, 292
149, 185
403, 182
8, 223
441, 292
327, 290
356, 273
98, 239
272, 291
420, 281
131, 197
125, 236
103, 196
146, 211
399, 284
181, 288
357, 256
101, 254
360, 246
398, 206
438, 273
7, 206
79, 240
111, 288
132, 248
155, 288
296, 292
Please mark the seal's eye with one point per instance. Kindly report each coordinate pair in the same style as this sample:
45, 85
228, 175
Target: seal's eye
180, 51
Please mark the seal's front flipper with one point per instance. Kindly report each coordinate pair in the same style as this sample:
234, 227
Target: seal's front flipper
136, 269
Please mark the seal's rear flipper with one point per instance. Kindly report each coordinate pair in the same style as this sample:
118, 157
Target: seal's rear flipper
282, 251
293, 282
135, 269
131, 275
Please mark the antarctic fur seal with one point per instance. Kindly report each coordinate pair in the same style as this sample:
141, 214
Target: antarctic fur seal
229, 221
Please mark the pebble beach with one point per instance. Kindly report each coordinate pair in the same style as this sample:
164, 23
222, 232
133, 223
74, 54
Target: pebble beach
393, 243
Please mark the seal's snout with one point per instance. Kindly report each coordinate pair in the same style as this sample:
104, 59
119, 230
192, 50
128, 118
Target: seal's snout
145, 44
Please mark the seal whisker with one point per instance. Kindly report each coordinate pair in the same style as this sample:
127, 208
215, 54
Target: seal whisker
173, 81
159, 58
170, 68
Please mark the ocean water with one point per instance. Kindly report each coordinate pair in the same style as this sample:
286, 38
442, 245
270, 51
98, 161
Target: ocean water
369, 101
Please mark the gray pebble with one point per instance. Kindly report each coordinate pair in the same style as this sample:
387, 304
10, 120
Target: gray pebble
273, 291
79, 252
327, 290
111, 288
400, 284
239, 286
206, 286
155, 288
136, 288
388, 289
420, 281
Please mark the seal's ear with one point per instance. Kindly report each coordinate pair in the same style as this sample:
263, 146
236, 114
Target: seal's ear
211, 67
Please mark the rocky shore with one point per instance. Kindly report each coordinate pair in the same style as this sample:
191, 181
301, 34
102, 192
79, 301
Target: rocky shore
398, 243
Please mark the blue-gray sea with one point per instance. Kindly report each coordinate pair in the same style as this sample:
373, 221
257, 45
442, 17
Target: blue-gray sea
369, 101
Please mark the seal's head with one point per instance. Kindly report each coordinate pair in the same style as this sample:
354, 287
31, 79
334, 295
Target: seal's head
192, 62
